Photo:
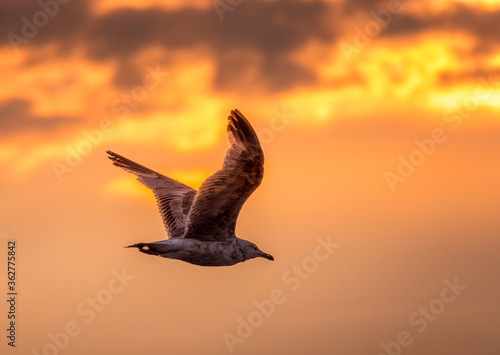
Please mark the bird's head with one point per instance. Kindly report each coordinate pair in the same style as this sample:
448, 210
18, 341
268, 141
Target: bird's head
250, 251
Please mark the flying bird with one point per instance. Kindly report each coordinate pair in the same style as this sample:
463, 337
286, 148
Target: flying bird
201, 224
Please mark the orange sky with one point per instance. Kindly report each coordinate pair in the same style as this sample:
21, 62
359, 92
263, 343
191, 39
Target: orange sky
379, 123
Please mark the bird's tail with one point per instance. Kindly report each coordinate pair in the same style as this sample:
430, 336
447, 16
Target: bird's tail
146, 248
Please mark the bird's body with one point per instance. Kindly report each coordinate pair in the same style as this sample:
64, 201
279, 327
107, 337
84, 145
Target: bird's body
201, 224
197, 252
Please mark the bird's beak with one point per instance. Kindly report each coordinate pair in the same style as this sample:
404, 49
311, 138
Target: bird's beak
267, 256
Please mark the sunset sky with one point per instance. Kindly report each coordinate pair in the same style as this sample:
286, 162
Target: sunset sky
380, 124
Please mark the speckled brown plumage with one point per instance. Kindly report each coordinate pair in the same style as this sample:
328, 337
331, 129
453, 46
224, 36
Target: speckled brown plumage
201, 224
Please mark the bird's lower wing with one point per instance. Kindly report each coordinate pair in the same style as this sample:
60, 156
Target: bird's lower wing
220, 198
174, 199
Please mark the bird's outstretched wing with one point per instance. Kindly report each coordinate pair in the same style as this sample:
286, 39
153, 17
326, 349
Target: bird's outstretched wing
220, 198
174, 199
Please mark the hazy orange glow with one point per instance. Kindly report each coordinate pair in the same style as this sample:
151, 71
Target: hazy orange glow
106, 6
444, 4
380, 131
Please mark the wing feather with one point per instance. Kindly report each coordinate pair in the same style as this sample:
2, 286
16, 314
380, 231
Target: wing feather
220, 198
174, 199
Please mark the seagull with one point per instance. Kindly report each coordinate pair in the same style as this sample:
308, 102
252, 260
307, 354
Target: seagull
201, 224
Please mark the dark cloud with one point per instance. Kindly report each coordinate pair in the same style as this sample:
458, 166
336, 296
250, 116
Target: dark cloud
281, 74
15, 117
267, 27
62, 24
459, 18
349, 7
490, 78
475, 21
271, 29
481, 24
